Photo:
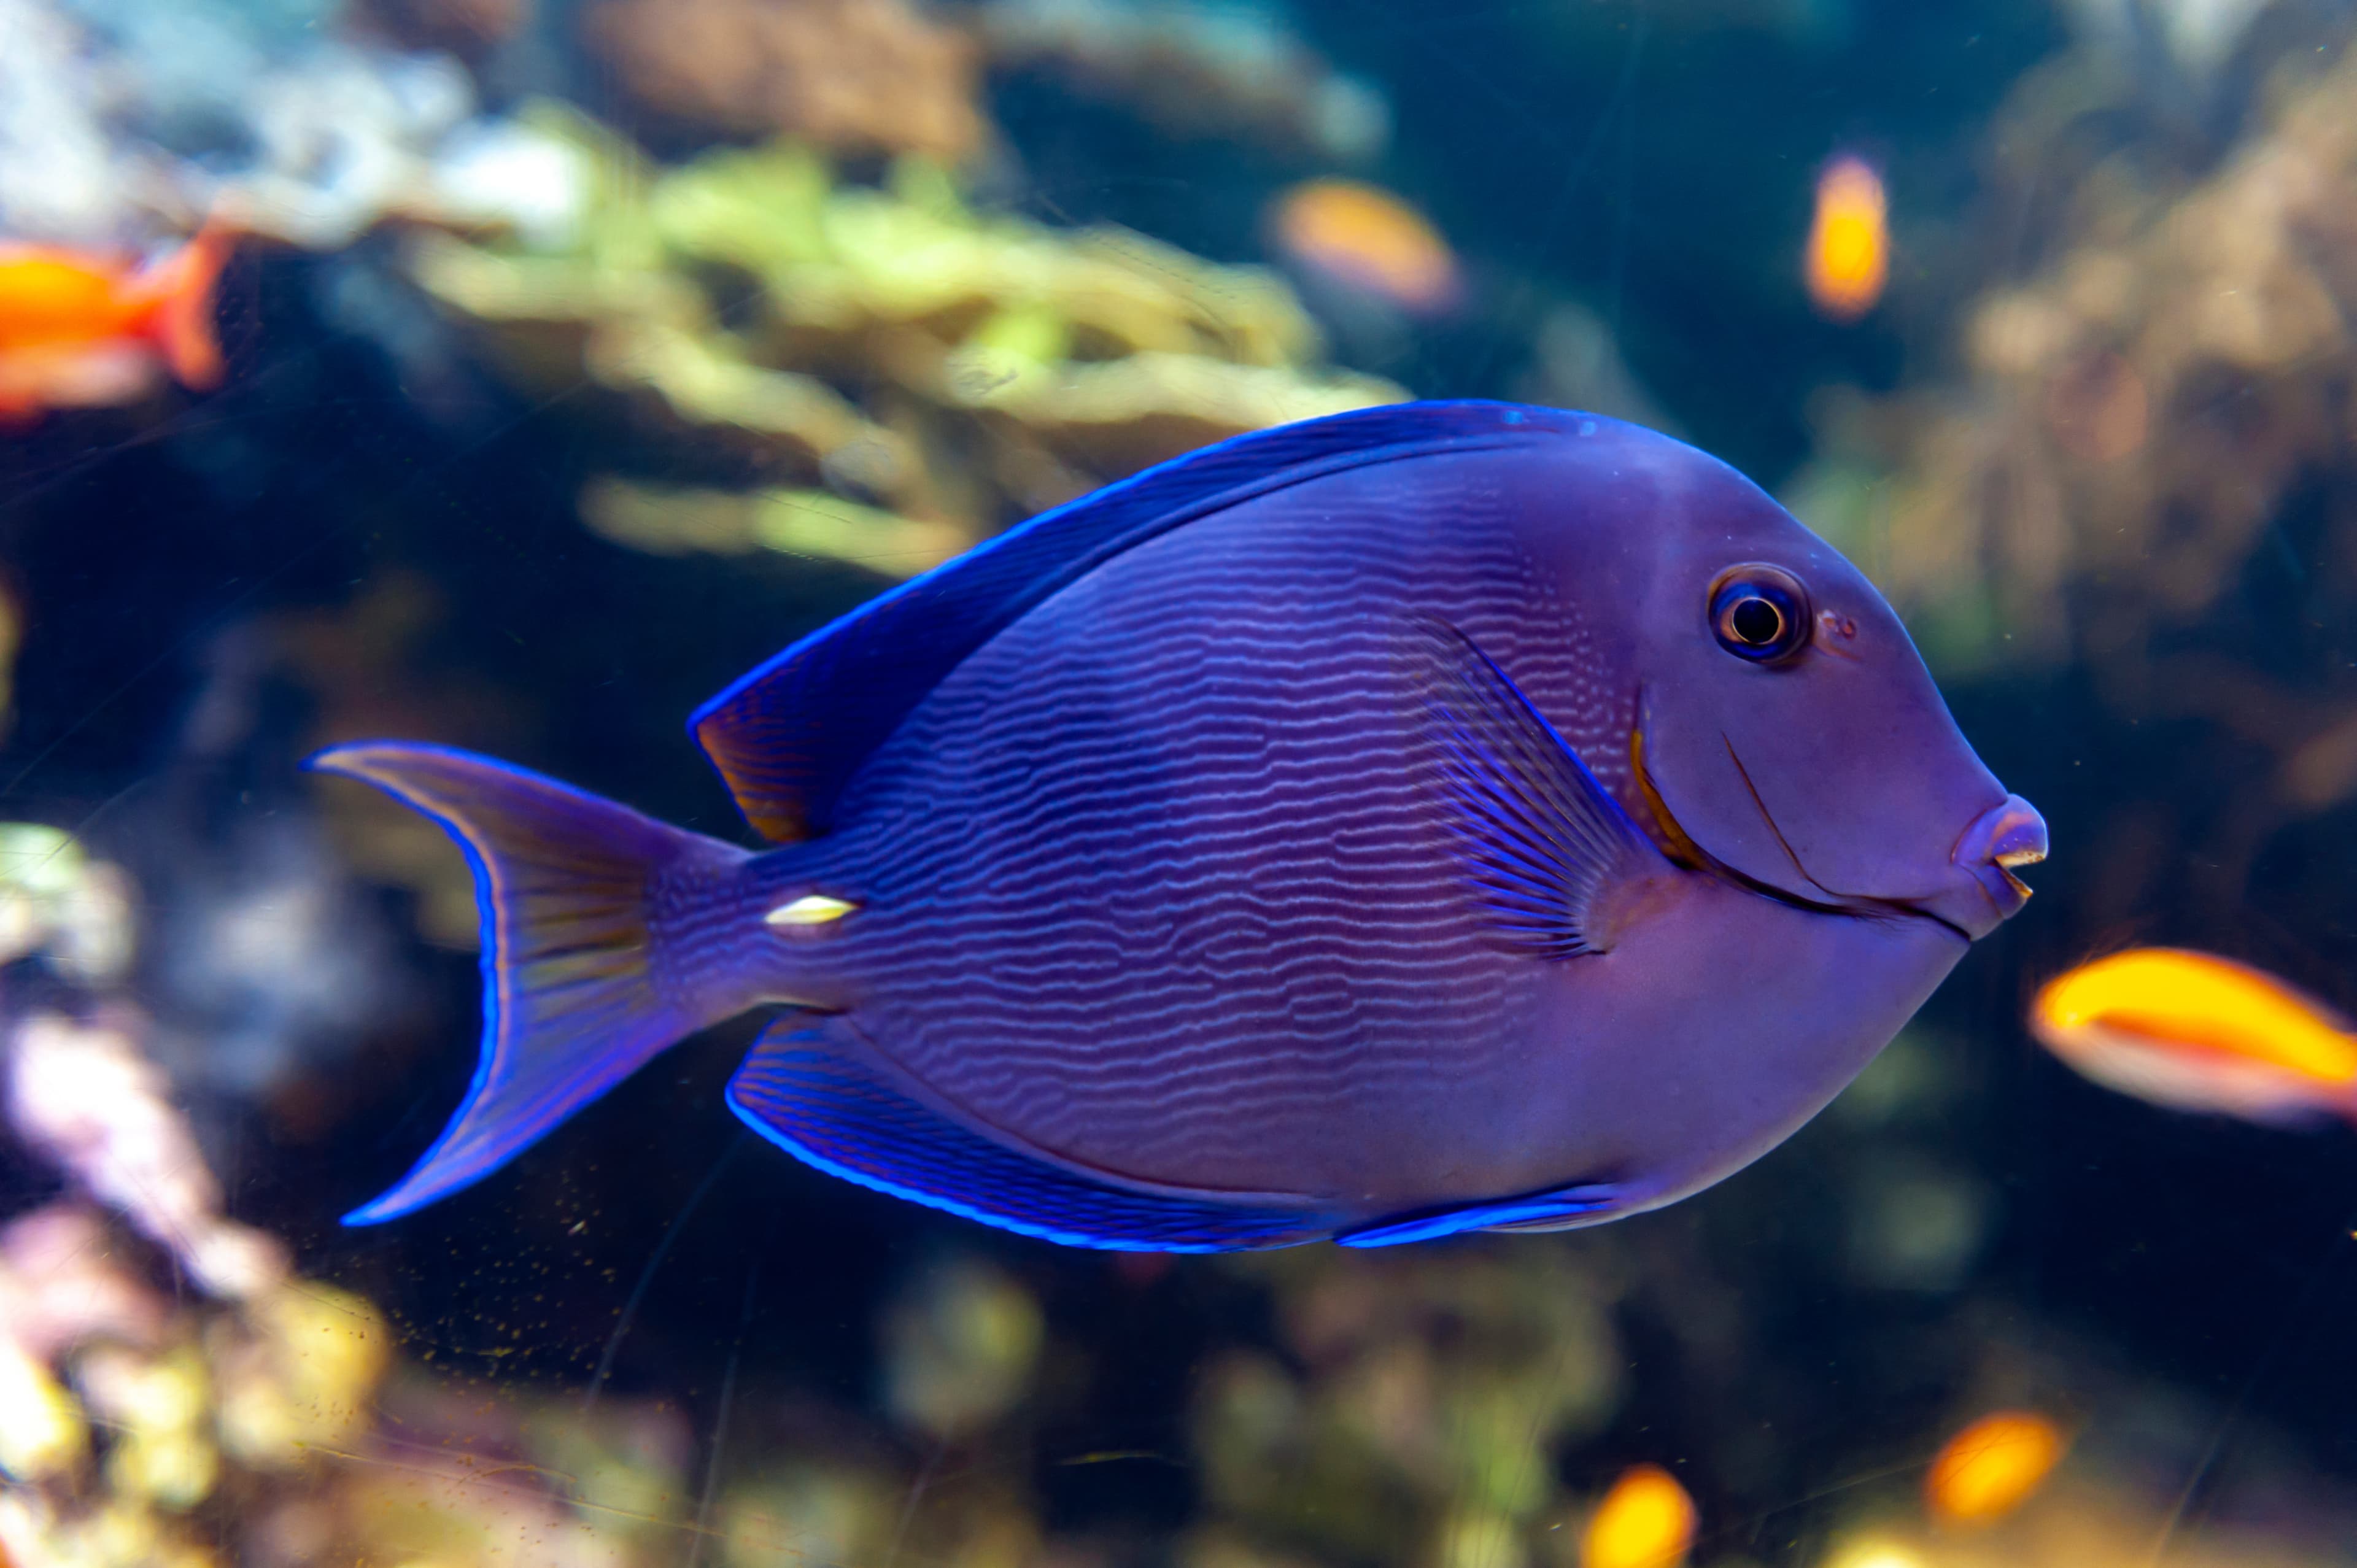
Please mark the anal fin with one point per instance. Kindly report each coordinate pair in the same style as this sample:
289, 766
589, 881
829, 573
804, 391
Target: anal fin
808, 1087
1553, 1210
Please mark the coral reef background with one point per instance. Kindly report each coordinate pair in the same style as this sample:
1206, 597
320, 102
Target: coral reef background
582, 355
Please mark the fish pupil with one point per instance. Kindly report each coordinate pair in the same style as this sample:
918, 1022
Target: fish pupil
1759, 612
1757, 622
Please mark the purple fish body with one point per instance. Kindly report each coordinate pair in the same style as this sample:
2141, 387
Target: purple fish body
1443, 817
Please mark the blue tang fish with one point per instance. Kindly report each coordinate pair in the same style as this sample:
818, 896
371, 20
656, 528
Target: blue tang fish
1442, 817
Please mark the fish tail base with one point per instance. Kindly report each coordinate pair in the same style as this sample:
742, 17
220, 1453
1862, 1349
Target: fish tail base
579, 987
182, 286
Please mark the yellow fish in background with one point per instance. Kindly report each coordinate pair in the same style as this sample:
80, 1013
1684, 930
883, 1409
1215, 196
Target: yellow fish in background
1848, 255
81, 329
1992, 1468
2195, 1032
1646, 1520
1364, 238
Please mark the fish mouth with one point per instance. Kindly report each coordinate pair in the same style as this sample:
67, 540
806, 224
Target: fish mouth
1681, 848
2010, 833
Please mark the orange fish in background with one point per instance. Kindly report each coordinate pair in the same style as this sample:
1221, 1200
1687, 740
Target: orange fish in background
1992, 1468
1646, 1520
83, 330
1367, 238
2194, 1032
1848, 255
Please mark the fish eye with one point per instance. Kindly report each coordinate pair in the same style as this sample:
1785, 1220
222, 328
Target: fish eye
1760, 613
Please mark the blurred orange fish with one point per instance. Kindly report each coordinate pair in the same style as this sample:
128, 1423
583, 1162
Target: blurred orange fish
1992, 1468
1369, 239
2195, 1032
1849, 256
80, 330
1646, 1520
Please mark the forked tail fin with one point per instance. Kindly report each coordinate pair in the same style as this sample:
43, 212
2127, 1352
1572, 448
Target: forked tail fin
180, 288
578, 990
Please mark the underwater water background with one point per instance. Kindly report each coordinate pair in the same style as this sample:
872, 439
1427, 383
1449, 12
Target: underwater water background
578, 357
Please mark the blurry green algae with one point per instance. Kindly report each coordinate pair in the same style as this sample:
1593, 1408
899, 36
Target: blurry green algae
762, 327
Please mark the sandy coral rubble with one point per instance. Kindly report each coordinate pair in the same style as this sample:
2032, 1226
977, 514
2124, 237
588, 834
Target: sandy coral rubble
1195, 68
856, 75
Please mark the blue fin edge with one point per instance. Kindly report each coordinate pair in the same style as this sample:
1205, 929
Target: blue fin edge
1510, 415
1303, 1231
570, 1007
1162, 499
384, 1207
1561, 1203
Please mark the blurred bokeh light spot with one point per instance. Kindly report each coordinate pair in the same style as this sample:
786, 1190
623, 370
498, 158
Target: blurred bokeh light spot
1872, 1553
1646, 1520
1992, 1468
1849, 256
1366, 239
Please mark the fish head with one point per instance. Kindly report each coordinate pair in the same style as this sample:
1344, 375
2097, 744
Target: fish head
1787, 731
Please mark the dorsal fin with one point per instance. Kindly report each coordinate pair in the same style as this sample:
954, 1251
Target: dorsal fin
787, 734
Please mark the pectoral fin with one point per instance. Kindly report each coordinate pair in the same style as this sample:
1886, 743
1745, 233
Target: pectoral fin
1543, 844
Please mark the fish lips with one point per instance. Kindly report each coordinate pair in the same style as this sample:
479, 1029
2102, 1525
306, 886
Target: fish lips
2009, 833
1987, 893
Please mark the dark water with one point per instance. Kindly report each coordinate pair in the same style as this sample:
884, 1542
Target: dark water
654, 1339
